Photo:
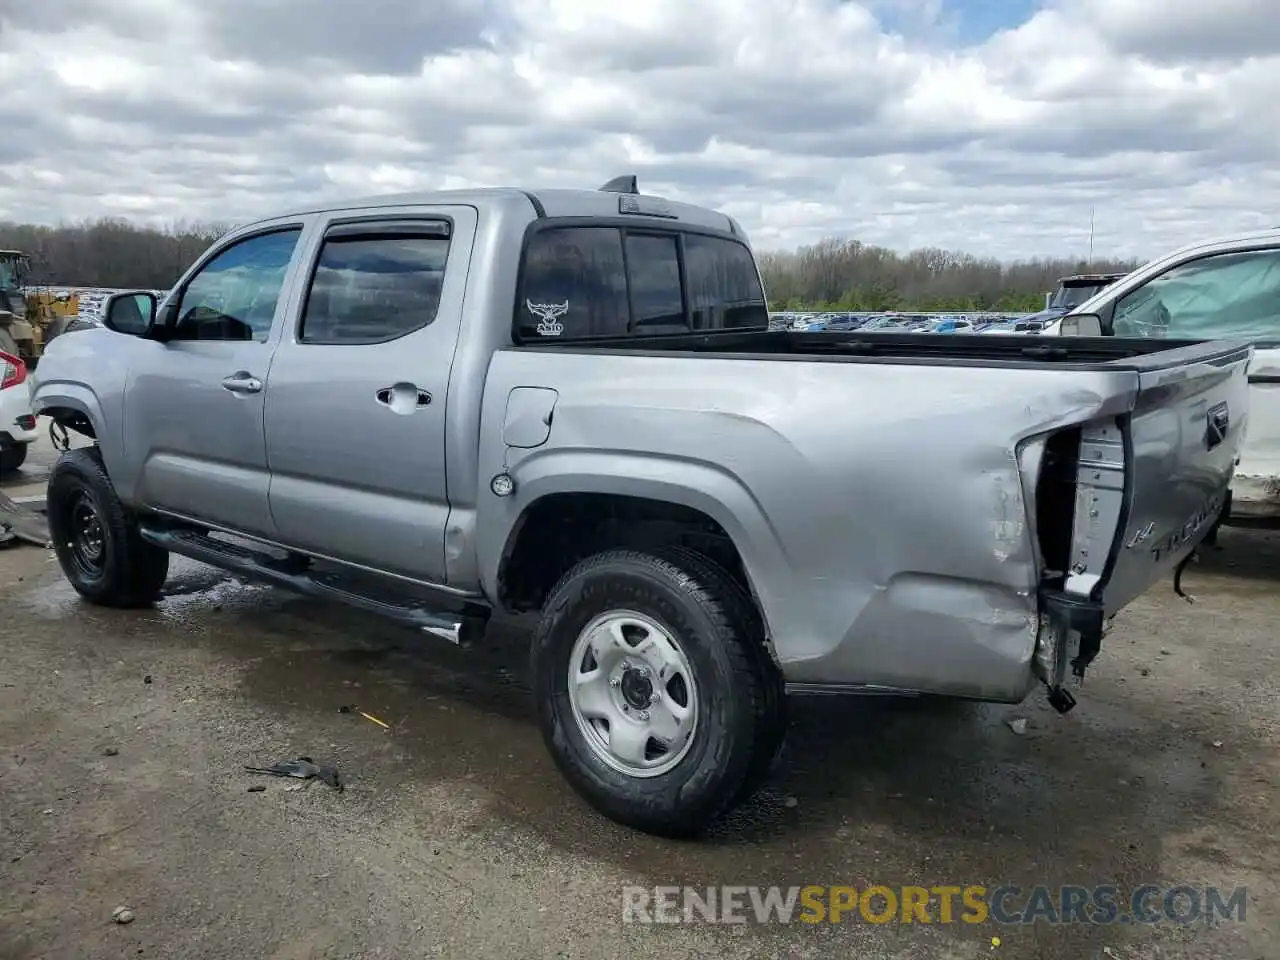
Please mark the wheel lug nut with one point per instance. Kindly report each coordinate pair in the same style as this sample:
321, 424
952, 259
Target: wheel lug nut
654, 699
643, 714
614, 682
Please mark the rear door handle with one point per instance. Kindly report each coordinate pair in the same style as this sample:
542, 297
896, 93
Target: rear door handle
387, 395
242, 382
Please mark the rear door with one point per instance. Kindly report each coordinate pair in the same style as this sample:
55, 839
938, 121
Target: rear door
1231, 295
355, 412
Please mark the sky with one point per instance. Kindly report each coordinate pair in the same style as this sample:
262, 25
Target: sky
997, 127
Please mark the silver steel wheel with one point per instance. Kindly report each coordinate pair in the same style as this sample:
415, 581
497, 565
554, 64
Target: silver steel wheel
633, 694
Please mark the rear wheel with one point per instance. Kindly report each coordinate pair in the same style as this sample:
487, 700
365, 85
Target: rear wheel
12, 458
650, 690
96, 538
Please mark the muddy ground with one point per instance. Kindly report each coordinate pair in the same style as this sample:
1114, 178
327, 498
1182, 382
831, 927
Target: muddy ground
456, 837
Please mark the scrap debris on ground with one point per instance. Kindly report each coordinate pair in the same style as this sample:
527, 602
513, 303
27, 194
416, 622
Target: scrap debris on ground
18, 523
304, 768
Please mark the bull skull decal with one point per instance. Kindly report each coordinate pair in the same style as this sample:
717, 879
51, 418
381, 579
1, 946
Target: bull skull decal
548, 315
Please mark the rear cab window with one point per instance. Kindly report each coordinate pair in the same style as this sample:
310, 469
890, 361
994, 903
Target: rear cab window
588, 282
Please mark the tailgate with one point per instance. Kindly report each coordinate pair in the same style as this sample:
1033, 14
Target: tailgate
1160, 474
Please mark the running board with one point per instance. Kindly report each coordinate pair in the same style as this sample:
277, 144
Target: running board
292, 572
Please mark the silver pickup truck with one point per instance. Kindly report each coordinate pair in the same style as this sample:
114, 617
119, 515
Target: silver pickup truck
568, 401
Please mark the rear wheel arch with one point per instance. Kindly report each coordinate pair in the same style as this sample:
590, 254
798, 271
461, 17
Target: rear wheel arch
558, 530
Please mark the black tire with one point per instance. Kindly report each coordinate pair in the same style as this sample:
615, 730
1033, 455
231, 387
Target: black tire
12, 458
114, 567
721, 645
771, 722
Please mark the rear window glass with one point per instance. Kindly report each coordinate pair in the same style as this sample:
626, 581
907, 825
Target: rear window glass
724, 287
582, 282
574, 285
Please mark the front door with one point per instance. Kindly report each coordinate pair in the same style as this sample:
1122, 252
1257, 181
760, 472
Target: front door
355, 411
194, 404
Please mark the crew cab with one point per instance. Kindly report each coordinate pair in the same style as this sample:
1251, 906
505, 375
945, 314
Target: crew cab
569, 401
1226, 289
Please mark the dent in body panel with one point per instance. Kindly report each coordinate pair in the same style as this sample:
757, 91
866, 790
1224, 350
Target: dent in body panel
859, 530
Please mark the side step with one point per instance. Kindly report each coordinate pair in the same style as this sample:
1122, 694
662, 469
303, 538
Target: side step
292, 572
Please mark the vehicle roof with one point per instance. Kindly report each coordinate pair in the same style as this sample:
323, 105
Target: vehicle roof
1269, 235
555, 202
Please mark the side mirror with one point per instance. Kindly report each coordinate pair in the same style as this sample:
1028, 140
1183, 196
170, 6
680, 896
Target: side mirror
1048, 299
131, 313
1080, 325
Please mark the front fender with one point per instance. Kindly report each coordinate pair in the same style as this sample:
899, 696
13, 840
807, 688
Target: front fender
706, 487
82, 373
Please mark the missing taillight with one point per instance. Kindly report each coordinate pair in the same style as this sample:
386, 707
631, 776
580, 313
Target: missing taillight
12, 370
1055, 504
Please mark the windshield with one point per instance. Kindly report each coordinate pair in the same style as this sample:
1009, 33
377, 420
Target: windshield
1068, 298
11, 273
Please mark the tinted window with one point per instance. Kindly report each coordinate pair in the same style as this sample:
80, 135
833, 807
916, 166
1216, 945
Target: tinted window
653, 268
574, 285
1227, 296
368, 289
234, 295
724, 288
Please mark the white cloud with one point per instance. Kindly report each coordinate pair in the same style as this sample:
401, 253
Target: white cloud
801, 117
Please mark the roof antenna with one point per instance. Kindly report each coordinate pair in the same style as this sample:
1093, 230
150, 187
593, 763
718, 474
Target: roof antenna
625, 184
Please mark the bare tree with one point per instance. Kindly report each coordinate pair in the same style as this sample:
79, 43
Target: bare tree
834, 274
109, 253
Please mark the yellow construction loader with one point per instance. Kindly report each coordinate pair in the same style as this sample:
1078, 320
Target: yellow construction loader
30, 316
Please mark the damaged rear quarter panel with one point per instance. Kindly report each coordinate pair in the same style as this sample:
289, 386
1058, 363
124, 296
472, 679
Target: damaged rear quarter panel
880, 509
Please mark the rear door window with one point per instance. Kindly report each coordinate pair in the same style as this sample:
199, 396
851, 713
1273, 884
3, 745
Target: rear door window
373, 284
1228, 296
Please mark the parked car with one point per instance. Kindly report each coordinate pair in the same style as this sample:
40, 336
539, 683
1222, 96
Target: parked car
17, 423
566, 401
1229, 289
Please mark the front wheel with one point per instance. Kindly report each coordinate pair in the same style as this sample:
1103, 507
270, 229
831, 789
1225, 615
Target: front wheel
96, 538
651, 695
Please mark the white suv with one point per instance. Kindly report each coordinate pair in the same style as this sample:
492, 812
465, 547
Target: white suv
1222, 289
17, 424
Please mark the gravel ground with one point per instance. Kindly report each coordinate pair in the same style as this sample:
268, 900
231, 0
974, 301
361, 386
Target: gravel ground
456, 837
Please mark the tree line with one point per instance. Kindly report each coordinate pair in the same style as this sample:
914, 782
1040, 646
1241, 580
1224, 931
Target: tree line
834, 274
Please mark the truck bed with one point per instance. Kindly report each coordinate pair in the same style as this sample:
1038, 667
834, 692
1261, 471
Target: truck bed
1082, 353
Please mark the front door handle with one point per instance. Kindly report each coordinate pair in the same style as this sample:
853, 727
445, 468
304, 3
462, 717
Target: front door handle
242, 382
402, 396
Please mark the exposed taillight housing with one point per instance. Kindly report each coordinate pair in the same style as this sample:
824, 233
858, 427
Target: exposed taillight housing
12, 370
